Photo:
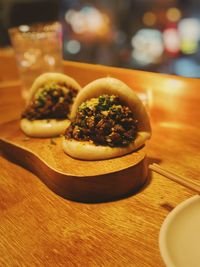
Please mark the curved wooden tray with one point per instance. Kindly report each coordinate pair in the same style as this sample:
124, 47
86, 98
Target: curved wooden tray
87, 181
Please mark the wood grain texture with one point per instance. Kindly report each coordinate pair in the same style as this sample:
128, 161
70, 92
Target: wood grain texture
39, 228
88, 181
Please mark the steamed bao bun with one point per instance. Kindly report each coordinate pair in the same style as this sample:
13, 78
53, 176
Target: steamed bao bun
88, 150
38, 122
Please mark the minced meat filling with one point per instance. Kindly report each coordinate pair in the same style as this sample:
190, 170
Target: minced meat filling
53, 101
105, 121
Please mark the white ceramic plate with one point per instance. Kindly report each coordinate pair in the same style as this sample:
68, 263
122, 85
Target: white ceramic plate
179, 238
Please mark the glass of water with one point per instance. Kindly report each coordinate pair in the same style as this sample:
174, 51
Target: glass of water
38, 49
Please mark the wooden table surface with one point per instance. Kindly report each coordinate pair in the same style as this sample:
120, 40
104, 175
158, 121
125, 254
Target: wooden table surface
39, 228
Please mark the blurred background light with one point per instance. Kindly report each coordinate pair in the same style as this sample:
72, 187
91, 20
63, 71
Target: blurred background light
147, 46
87, 20
151, 35
171, 40
187, 67
173, 14
24, 28
73, 46
189, 29
149, 18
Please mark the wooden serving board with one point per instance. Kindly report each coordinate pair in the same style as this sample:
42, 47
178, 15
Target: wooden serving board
87, 181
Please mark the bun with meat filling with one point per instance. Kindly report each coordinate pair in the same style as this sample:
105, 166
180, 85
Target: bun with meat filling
108, 120
49, 105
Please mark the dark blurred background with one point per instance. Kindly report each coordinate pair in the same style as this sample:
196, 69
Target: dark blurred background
152, 35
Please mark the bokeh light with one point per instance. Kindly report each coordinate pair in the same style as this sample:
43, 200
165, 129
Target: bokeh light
171, 40
147, 46
189, 29
173, 14
149, 18
88, 20
73, 46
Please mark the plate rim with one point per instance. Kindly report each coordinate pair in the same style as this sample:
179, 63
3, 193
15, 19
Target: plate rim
165, 225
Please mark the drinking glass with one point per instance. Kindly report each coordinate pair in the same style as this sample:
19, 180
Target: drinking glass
38, 49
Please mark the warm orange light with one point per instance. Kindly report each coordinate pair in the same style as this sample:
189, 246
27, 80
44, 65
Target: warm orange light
146, 98
173, 14
149, 18
172, 86
171, 124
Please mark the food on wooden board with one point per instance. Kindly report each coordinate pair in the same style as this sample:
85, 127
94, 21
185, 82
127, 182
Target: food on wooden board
108, 120
49, 105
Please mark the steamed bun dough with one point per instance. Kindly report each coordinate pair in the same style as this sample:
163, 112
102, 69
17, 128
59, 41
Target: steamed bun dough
87, 150
47, 127
44, 128
51, 77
